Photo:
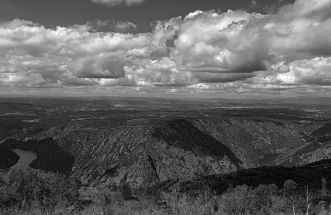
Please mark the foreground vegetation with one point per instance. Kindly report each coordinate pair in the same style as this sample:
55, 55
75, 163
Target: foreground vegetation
29, 191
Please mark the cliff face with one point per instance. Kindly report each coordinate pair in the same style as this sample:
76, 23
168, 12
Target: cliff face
255, 142
144, 155
318, 148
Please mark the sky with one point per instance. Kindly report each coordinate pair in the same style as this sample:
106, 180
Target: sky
233, 48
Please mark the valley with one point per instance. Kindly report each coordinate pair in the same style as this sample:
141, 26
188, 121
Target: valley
164, 145
149, 141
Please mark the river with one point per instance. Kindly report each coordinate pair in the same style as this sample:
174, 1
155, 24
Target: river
26, 157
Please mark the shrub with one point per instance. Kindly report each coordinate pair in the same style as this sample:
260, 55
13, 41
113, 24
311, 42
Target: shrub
261, 198
245, 200
236, 200
26, 186
290, 187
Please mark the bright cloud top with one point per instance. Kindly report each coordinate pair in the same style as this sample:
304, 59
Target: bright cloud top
202, 50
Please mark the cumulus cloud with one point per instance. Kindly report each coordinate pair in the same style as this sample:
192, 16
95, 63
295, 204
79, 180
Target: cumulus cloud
111, 3
242, 43
111, 26
64, 56
314, 71
101, 66
225, 42
205, 50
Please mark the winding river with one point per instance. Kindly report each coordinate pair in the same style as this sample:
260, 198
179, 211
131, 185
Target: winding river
26, 157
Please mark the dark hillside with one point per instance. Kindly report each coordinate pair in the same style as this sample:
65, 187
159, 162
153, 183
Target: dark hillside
306, 176
7, 158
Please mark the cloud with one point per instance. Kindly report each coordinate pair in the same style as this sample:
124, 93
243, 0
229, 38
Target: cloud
101, 66
112, 26
314, 71
112, 3
289, 49
242, 43
225, 42
33, 55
